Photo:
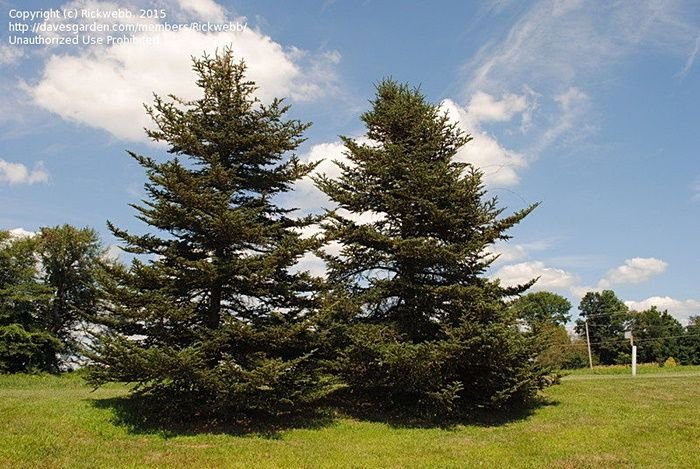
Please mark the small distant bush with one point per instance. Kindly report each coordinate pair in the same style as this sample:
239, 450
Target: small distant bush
670, 362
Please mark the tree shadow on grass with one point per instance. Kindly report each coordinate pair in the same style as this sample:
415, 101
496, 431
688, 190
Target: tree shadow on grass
139, 416
482, 417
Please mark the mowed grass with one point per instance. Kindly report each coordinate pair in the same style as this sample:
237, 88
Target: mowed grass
642, 369
602, 421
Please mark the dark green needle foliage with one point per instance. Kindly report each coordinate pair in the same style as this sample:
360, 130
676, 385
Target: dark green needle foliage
418, 326
213, 323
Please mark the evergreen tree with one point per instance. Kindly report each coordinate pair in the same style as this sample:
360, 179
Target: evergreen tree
415, 320
607, 316
215, 322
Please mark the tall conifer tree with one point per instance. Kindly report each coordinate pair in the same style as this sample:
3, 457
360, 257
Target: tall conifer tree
418, 323
215, 321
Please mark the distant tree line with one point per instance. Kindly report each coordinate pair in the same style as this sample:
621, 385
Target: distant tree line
657, 335
48, 292
611, 327
212, 319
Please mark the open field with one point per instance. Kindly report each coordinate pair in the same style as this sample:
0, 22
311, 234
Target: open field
605, 422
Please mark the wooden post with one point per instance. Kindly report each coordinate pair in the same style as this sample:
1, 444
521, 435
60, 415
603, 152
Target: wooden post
588, 342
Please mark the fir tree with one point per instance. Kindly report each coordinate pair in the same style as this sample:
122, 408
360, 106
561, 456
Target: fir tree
418, 324
215, 322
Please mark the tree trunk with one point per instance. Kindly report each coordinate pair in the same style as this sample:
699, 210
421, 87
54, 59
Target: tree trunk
214, 313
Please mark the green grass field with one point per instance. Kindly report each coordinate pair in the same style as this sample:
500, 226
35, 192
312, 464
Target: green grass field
652, 420
642, 369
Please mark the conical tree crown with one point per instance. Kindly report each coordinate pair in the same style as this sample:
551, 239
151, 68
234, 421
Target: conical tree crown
417, 323
216, 318
420, 260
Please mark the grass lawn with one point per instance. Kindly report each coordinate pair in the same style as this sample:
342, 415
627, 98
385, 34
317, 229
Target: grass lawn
642, 369
603, 421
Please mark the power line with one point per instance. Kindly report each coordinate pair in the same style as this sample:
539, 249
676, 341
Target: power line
622, 339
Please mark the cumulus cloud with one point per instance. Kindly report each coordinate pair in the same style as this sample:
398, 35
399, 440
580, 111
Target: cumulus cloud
680, 309
105, 86
499, 164
636, 270
17, 173
484, 107
306, 196
550, 278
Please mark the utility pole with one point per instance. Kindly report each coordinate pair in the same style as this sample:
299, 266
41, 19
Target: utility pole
634, 355
588, 342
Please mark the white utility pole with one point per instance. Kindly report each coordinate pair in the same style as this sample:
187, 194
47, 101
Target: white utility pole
588, 342
634, 355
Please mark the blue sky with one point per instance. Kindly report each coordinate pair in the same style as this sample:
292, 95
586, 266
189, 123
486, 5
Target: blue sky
589, 107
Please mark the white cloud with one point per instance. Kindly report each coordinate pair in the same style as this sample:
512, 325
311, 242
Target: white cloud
635, 270
580, 291
559, 46
306, 196
21, 233
10, 55
680, 309
105, 86
556, 43
314, 264
17, 173
483, 107
113, 253
572, 105
550, 278
508, 252
500, 165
